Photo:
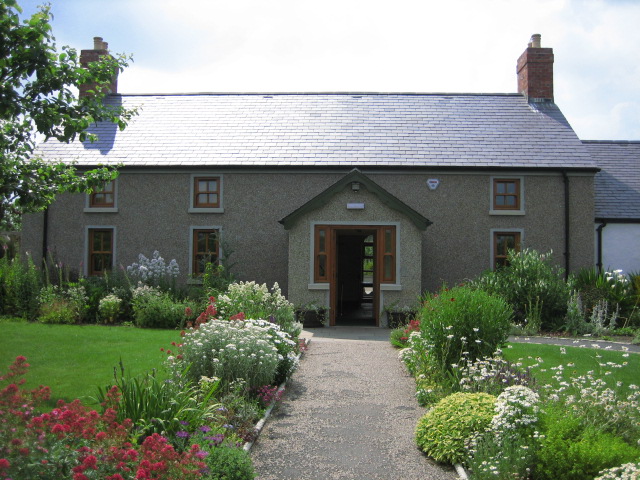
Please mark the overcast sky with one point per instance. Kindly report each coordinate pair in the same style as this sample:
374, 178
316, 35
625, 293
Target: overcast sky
467, 46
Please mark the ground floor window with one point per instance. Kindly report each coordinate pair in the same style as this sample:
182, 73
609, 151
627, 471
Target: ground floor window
100, 251
206, 249
502, 243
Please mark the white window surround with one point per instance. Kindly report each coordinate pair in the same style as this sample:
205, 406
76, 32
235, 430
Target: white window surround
196, 280
521, 210
192, 208
492, 246
85, 261
325, 285
89, 209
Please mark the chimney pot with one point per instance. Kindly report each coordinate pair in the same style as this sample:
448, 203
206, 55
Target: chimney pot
98, 44
535, 41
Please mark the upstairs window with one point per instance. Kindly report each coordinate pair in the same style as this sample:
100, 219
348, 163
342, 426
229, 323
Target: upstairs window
206, 194
103, 198
206, 191
507, 196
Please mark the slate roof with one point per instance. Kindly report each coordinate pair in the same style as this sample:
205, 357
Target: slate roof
334, 129
617, 185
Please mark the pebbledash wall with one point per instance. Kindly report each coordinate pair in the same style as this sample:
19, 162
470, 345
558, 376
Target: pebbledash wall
152, 213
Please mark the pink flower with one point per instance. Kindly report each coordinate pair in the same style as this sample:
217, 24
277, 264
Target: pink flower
4, 463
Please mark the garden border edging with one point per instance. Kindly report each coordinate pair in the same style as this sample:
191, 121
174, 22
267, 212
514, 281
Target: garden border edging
261, 423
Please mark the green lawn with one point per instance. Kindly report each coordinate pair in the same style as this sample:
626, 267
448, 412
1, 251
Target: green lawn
73, 359
582, 360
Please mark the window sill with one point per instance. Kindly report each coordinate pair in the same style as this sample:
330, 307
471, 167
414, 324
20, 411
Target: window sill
194, 281
319, 286
391, 287
101, 210
506, 212
206, 210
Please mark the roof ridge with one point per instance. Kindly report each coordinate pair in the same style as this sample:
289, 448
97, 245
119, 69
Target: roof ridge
614, 142
188, 94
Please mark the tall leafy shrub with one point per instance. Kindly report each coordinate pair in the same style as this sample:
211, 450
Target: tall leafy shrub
530, 283
460, 323
20, 284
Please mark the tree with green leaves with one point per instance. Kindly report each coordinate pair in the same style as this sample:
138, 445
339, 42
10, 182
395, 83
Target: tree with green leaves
39, 101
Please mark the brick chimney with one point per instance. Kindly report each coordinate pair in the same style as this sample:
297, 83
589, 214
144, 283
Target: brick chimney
100, 48
535, 71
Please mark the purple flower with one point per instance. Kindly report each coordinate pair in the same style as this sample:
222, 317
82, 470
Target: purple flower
205, 428
201, 454
182, 434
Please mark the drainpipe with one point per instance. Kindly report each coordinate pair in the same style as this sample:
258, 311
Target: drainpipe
599, 245
45, 234
565, 178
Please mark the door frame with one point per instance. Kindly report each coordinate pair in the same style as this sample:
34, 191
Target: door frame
332, 261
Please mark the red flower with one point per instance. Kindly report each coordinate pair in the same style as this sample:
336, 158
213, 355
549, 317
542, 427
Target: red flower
4, 463
188, 312
90, 462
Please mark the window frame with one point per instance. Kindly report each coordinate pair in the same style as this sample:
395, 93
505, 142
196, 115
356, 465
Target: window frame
194, 207
92, 207
518, 235
519, 208
89, 249
193, 253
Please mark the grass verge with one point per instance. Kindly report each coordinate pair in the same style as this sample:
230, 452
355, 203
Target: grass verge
577, 362
73, 360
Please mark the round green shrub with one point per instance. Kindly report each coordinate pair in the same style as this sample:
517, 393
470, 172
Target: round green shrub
461, 322
441, 432
226, 463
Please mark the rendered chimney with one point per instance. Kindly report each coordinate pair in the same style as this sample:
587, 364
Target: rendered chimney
100, 48
535, 71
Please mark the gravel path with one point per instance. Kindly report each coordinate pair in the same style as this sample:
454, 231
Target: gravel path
349, 412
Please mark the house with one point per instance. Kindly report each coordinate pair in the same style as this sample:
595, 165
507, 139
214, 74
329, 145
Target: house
617, 204
352, 200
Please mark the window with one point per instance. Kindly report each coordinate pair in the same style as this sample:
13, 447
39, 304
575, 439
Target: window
502, 243
206, 249
100, 251
206, 191
206, 194
380, 250
102, 199
507, 196
388, 255
321, 261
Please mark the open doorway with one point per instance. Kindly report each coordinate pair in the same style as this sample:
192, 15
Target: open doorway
355, 273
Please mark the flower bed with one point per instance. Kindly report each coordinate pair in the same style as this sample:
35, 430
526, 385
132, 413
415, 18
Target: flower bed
191, 425
571, 426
